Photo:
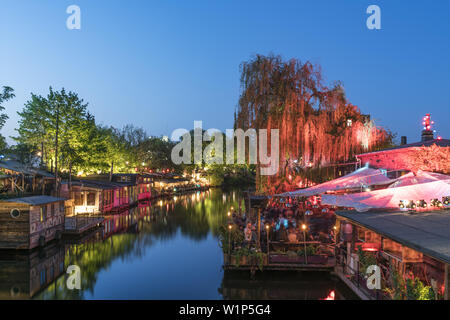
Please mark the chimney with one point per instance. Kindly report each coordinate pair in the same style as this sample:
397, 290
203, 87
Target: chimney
403, 141
427, 132
427, 135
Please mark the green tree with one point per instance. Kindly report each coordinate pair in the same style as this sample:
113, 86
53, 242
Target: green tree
155, 153
59, 120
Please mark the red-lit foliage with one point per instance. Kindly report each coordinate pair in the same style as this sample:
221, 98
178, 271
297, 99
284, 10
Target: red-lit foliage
318, 126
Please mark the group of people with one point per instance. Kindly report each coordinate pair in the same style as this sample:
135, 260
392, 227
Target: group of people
289, 222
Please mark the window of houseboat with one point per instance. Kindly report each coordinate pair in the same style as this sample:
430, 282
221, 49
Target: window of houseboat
52, 272
365, 235
117, 194
43, 213
91, 199
61, 207
79, 198
42, 277
52, 210
392, 248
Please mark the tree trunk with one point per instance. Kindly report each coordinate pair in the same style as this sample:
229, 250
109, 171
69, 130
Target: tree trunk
70, 177
112, 171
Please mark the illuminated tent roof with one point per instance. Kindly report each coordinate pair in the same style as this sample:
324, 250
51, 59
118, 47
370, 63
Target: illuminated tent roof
418, 178
429, 186
360, 178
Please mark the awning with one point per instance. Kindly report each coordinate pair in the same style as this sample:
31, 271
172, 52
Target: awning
361, 178
430, 186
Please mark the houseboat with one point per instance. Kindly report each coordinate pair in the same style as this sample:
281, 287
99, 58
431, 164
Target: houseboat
403, 245
94, 197
141, 185
29, 222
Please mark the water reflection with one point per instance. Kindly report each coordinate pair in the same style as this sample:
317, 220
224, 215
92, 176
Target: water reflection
166, 249
283, 285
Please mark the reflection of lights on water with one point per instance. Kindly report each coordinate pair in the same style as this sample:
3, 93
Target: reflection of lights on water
331, 296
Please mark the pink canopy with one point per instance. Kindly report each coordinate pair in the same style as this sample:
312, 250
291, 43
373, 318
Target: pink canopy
427, 186
361, 178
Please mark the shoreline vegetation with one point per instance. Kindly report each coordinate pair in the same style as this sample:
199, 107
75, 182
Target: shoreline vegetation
57, 133
320, 132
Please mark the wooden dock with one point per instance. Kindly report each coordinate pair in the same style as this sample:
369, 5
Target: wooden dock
274, 263
81, 223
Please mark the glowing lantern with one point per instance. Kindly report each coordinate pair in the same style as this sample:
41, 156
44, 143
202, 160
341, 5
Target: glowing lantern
368, 246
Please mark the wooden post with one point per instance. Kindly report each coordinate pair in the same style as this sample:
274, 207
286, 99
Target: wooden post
70, 177
42, 154
112, 171
56, 151
259, 228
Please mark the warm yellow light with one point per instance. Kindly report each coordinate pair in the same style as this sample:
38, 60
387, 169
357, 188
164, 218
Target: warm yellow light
230, 226
303, 227
334, 227
229, 213
267, 226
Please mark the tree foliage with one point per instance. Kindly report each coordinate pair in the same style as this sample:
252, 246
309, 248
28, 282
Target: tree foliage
84, 146
317, 125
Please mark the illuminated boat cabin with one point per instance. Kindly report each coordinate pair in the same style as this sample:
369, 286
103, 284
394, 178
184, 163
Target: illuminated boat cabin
29, 222
142, 184
93, 197
410, 245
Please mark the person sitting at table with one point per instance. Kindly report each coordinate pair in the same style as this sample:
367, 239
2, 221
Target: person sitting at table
292, 236
248, 232
281, 234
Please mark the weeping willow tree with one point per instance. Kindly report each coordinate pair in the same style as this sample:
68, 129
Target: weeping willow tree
317, 125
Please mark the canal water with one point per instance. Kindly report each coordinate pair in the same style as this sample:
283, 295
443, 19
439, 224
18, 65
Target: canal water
166, 249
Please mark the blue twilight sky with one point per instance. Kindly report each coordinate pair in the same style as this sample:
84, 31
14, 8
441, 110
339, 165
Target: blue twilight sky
163, 64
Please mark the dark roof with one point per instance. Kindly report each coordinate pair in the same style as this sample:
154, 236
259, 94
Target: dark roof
427, 232
17, 166
104, 185
429, 143
36, 200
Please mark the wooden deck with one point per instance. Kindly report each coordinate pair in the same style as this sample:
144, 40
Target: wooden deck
81, 224
316, 263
